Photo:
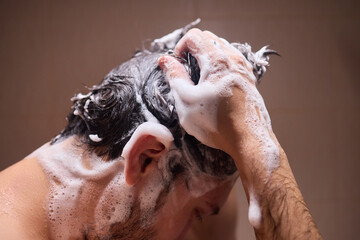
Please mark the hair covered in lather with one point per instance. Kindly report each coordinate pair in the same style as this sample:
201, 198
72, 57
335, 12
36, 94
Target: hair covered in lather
135, 92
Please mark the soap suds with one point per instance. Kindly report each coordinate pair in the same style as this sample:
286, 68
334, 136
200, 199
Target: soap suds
255, 217
80, 96
201, 118
148, 115
197, 105
149, 128
81, 183
260, 126
151, 192
87, 191
77, 182
95, 138
259, 60
87, 105
169, 41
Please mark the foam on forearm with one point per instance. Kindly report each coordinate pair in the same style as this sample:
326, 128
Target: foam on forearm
198, 105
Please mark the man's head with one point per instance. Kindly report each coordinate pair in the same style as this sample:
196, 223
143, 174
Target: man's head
131, 114
168, 176
132, 94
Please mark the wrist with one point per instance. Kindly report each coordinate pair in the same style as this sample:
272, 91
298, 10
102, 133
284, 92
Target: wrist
257, 160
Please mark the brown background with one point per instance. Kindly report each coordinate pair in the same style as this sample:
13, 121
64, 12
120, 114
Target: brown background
50, 49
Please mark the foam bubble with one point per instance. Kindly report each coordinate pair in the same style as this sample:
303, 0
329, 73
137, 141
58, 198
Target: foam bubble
216, 83
80, 96
95, 138
77, 183
169, 41
255, 217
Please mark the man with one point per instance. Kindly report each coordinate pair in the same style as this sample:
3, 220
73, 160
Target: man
140, 160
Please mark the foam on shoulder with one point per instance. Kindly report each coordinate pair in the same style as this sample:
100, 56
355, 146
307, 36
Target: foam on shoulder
78, 185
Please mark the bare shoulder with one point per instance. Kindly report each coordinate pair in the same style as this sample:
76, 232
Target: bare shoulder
14, 175
23, 187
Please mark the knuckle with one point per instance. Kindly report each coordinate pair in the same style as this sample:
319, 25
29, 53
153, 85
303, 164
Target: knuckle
224, 41
241, 61
209, 33
194, 31
220, 61
238, 59
189, 41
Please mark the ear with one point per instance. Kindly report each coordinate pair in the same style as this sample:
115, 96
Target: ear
147, 144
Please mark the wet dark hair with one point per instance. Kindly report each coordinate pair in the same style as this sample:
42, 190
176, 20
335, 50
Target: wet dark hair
125, 98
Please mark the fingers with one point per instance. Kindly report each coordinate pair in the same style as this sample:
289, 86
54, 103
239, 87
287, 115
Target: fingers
174, 70
211, 52
195, 42
216, 40
222, 43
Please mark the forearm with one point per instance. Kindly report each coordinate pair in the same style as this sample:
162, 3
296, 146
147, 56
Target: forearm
238, 123
284, 214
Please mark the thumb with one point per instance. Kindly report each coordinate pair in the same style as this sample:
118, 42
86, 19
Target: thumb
174, 71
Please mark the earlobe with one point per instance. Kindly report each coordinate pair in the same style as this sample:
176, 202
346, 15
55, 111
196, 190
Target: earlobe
147, 144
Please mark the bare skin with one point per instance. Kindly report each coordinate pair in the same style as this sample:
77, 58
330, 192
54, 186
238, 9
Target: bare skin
23, 190
283, 212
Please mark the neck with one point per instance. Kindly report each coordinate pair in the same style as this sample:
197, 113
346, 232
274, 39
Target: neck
85, 192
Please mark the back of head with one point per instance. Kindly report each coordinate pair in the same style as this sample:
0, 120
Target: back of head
131, 94
136, 92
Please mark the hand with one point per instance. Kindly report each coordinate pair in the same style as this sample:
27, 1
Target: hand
222, 67
225, 108
226, 111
